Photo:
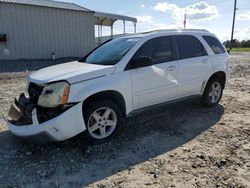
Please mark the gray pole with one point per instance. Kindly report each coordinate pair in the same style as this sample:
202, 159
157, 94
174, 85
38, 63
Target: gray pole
112, 29
185, 20
134, 27
232, 34
124, 27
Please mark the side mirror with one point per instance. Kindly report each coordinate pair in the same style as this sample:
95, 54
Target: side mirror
142, 61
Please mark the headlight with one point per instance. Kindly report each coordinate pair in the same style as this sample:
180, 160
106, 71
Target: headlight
54, 94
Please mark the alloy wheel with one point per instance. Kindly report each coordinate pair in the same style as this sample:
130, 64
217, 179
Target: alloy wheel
102, 123
215, 92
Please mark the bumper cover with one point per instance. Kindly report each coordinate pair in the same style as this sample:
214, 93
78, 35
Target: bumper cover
62, 127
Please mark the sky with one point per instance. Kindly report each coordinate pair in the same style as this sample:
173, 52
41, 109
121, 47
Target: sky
213, 15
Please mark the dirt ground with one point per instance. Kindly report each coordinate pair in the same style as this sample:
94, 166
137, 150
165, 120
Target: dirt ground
179, 145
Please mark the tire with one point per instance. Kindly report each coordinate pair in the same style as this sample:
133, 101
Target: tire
213, 92
102, 119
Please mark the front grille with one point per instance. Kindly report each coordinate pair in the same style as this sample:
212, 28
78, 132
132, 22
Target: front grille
20, 112
18, 115
34, 91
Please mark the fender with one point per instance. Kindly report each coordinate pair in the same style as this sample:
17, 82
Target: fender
121, 84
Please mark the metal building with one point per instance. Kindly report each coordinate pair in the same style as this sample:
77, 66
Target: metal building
36, 29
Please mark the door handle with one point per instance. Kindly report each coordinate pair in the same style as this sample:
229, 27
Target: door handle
204, 61
171, 68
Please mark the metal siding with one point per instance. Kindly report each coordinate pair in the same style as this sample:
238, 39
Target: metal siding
48, 3
35, 32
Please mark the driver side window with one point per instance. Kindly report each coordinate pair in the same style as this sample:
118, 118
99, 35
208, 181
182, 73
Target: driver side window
146, 49
158, 49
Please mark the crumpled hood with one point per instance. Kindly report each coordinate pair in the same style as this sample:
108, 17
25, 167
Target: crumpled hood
72, 72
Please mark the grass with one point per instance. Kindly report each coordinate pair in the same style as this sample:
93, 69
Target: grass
240, 49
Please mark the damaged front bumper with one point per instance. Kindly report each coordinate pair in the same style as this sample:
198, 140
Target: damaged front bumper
42, 125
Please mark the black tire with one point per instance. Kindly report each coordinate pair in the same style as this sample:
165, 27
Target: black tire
87, 114
206, 99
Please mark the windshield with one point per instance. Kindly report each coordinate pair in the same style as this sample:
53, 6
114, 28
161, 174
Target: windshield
111, 52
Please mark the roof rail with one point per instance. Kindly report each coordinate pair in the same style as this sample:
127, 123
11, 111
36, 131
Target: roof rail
164, 30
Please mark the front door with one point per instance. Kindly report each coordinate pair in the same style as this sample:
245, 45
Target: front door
155, 83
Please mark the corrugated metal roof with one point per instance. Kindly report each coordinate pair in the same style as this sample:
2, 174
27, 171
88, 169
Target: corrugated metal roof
107, 19
48, 3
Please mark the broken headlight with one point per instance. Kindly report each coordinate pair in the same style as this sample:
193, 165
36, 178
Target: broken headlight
54, 94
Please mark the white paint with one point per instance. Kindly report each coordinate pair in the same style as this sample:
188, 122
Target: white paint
63, 124
139, 87
72, 72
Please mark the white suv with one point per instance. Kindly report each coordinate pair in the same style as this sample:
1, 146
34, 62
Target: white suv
116, 79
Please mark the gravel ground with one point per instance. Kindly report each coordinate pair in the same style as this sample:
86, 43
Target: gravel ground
179, 145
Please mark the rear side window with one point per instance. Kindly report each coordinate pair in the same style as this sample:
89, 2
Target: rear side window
214, 44
189, 46
159, 49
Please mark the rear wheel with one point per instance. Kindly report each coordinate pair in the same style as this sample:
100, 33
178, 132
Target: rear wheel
213, 92
102, 119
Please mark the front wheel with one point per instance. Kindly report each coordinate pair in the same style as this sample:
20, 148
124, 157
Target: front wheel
213, 92
101, 119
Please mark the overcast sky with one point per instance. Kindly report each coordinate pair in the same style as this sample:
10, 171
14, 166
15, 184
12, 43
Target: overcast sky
214, 15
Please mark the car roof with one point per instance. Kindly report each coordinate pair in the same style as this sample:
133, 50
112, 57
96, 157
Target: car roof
169, 32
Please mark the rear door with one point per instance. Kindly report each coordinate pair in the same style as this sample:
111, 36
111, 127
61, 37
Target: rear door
155, 83
193, 65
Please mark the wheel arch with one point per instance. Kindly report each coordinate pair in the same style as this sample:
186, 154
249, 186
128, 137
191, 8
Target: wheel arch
111, 95
221, 75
